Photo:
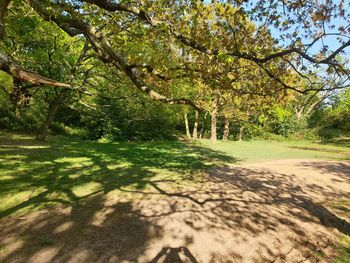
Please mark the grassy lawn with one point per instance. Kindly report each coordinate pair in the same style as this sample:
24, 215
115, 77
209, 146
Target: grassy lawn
256, 151
65, 170
68, 171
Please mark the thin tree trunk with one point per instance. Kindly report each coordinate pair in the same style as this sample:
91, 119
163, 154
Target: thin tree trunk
201, 133
188, 134
214, 115
195, 126
299, 113
53, 108
241, 133
226, 129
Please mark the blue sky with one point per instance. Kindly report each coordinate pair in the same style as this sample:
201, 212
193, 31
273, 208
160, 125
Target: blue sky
330, 41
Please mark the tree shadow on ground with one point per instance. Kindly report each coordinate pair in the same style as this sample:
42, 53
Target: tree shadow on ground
174, 255
80, 176
341, 169
55, 171
278, 216
233, 214
89, 233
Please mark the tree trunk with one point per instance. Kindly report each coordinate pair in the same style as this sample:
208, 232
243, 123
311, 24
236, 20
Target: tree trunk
299, 114
201, 133
214, 115
188, 134
195, 126
241, 133
226, 129
53, 108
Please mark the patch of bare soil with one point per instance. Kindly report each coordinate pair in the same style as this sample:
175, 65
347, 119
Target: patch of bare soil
267, 212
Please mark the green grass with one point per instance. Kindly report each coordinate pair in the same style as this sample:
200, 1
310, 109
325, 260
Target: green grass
257, 151
65, 170
68, 171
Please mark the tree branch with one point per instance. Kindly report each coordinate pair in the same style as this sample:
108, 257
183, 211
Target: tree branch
20, 73
102, 47
110, 6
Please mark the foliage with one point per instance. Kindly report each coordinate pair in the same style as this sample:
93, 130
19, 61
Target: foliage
132, 121
333, 118
180, 56
282, 121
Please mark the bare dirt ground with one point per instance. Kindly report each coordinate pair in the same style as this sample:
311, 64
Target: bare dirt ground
266, 212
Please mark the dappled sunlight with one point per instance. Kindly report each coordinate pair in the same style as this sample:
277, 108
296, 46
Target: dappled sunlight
88, 233
168, 203
33, 147
86, 189
246, 214
67, 172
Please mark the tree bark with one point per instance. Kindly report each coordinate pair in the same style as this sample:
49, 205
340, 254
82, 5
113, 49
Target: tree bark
214, 115
201, 132
226, 129
53, 108
188, 134
195, 126
241, 133
299, 114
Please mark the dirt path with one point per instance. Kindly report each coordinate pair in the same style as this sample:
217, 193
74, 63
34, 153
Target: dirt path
266, 212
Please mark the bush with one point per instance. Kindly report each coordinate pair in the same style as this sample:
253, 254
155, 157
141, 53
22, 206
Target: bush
61, 129
283, 122
305, 135
328, 134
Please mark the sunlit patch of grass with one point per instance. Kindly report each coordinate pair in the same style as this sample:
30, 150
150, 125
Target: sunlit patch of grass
254, 151
65, 170
75, 160
86, 189
7, 177
33, 147
14, 198
343, 250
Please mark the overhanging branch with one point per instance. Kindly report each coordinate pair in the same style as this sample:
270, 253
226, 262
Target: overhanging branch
101, 46
20, 73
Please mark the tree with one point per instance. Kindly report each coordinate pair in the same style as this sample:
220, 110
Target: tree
69, 17
151, 44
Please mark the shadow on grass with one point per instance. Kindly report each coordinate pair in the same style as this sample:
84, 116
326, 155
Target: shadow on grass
237, 214
62, 171
54, 171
